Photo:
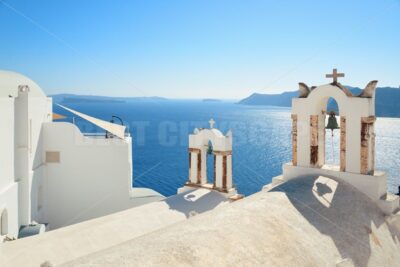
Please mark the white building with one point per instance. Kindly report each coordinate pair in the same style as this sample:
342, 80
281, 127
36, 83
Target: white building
51, 173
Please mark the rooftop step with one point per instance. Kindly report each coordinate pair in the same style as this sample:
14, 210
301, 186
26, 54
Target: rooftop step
236, 197
277, 180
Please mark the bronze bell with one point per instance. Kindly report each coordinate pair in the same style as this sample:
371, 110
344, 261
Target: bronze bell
332, 122
210, 148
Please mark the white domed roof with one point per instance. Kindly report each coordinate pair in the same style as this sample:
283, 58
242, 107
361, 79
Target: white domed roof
9, 82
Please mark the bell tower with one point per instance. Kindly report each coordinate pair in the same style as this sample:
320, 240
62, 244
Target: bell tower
205, 143
357, 115
357, 138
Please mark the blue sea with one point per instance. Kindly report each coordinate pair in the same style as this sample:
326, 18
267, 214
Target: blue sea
261, 140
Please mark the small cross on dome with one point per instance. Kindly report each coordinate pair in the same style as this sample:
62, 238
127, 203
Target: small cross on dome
334, 75
211, 122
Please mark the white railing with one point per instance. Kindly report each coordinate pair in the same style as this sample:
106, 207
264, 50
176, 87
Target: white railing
102, 135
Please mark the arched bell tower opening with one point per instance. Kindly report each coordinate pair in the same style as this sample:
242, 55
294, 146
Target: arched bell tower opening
323, 121
210, 163
332, 133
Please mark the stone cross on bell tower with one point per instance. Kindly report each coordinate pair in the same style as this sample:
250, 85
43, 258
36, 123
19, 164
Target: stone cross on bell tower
334, 75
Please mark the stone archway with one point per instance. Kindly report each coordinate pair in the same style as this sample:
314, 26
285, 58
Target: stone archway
318, 131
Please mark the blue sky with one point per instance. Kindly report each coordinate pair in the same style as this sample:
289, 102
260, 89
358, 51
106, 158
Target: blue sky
198, 48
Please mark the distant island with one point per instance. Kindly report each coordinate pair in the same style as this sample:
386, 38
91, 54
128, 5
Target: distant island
387, 101
71, 98
211, 100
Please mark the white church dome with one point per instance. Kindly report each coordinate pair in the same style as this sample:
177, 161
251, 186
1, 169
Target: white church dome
9, 82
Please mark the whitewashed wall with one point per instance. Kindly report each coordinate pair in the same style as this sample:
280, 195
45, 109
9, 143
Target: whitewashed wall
6, 142
30, 113
8, 187
41, 111
22, 116
93, 177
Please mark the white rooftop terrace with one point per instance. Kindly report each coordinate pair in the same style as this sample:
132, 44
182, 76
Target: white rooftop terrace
303, 222
71, 242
